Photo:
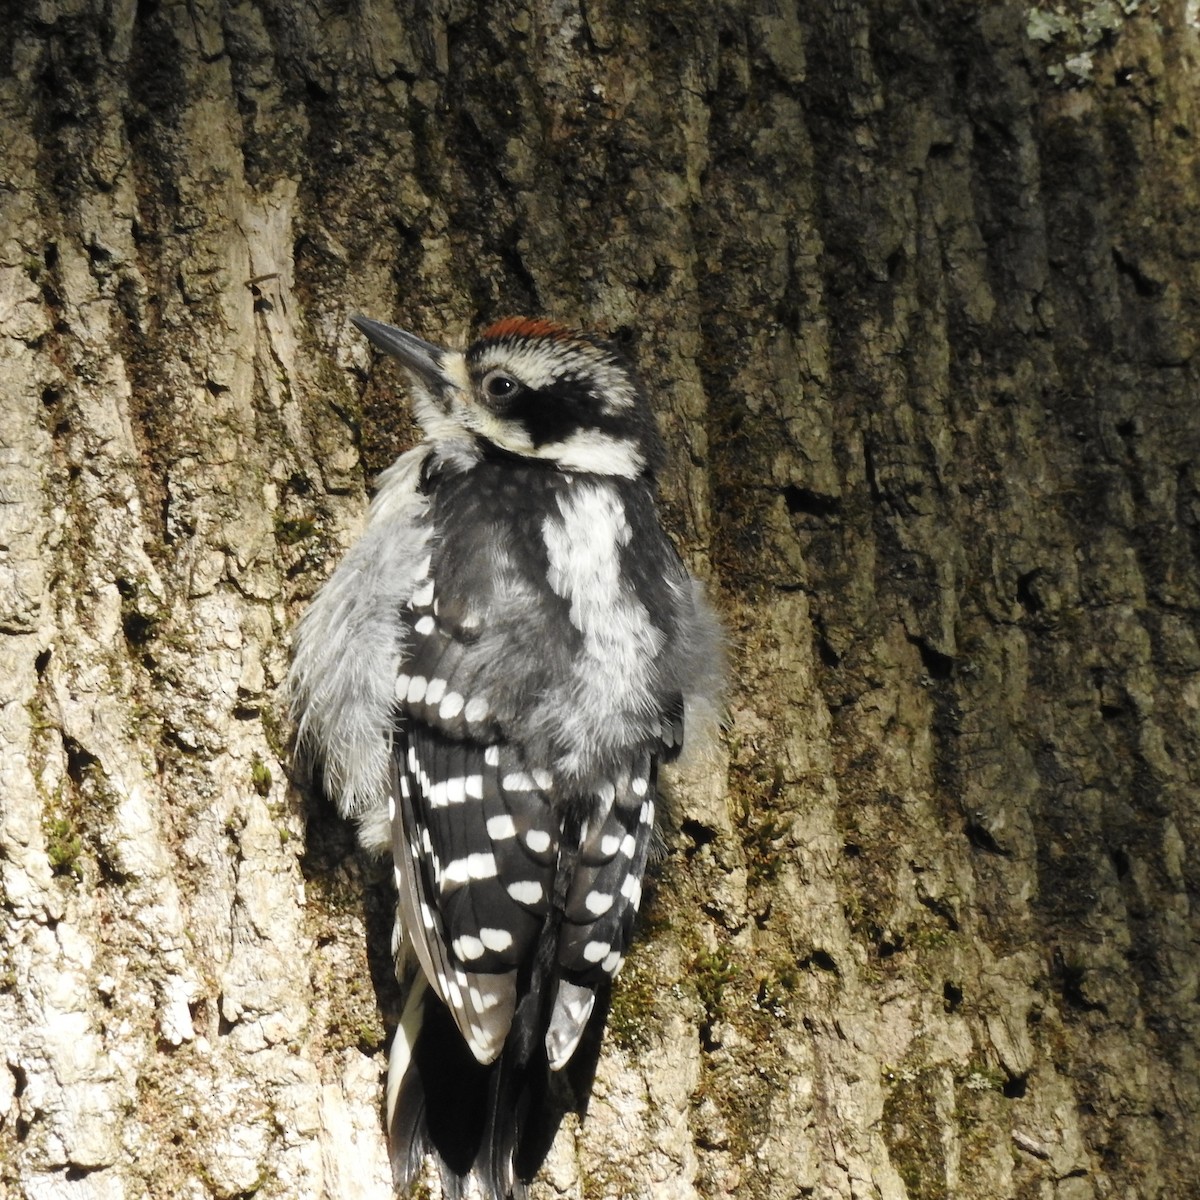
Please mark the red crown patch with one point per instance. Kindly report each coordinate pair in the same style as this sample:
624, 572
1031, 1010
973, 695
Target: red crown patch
526, 327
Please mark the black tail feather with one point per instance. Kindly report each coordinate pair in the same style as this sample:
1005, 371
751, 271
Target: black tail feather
494, 1122
441, 1107
550, 1095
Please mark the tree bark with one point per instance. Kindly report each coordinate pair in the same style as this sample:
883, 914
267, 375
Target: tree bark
915, 287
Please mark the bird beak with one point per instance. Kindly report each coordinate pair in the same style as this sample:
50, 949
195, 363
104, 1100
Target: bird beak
420, 357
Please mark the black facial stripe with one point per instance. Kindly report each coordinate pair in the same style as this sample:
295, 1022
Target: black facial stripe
554, 413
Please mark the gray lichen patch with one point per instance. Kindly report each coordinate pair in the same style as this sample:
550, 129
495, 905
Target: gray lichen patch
1077, 36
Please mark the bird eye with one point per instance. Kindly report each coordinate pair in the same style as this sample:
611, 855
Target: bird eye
499, 386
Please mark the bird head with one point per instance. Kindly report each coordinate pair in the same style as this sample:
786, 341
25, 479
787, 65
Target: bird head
533, 389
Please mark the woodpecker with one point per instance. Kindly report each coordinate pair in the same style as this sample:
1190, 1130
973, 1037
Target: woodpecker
489, 682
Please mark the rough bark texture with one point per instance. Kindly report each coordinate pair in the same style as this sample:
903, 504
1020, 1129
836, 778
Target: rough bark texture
916, 286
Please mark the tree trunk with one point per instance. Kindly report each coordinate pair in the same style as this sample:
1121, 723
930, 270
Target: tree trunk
916, 289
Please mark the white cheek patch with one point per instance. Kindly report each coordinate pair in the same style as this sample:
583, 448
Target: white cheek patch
508, 435
596, 453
